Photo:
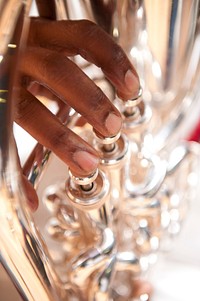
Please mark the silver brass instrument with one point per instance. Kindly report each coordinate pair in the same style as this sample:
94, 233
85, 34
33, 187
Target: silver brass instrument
92, 236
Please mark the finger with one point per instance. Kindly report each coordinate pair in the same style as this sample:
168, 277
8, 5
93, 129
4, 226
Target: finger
31, 194
39, 91
94, 44
46, 8
46, 96
36, 119
70, 84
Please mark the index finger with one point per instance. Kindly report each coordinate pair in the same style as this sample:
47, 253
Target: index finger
94, 44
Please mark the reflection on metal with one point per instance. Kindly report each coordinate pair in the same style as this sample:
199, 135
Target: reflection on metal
91, 237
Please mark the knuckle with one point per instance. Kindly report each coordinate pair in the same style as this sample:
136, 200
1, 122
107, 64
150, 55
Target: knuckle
46, 65
22, 109
90, 31
98, 100
88, 26
117, 56
53, 68
58, 138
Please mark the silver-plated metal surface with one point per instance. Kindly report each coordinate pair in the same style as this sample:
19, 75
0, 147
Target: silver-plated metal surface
164, 47
134, 101
98, 231
84, 265
108, 140
22, 251
116, 155
112, 163
91, 199
83, 180
136, 123
100, 290
154, 172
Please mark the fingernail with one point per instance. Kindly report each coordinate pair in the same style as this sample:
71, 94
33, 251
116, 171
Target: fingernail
113, 123
132, 82
85, 160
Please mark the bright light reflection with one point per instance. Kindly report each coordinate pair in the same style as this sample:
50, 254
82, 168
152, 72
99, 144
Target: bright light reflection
115, 32
175, 200
174, 214
140, 13
115, 193
156, 70
143, 223
144, 163
134, 52
154, 242
192, 179
12, 46
144, 297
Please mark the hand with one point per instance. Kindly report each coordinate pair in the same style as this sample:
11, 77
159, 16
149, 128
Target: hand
45, 61
45, 66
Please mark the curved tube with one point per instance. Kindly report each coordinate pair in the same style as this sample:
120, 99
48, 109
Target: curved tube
100, 288
93, 259
128, 261
22, 252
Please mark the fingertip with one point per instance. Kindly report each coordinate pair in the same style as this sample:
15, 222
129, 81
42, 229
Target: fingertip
113, 123
85, 161
132, 83
131, 87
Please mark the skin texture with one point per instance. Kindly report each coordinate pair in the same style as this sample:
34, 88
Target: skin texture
45, 62
46, 70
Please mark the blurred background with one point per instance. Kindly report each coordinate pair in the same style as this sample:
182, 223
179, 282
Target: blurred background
175, 276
